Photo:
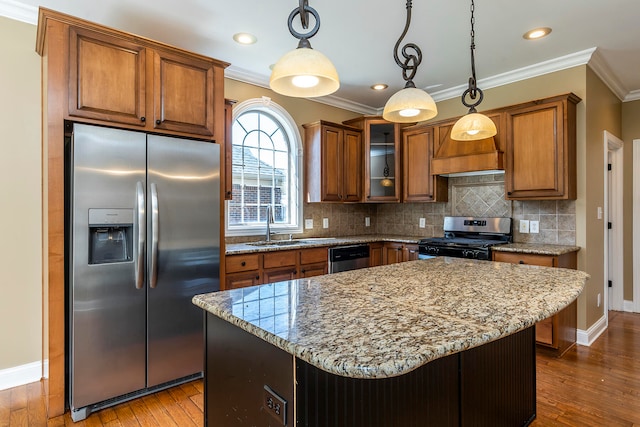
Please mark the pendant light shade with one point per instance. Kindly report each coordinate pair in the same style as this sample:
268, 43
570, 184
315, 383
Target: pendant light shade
474, 126
304, 72
409, 104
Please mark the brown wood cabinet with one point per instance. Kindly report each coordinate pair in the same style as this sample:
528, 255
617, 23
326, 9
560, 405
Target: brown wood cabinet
227, 151
381, 144
259, 268
126, 81
418, 185
399, 252
557, 332
541, 149
333, 162
376, 254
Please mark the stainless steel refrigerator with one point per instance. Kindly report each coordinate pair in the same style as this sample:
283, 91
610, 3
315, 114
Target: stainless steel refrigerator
144, 221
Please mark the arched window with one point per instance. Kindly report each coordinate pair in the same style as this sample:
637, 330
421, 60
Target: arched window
266, 170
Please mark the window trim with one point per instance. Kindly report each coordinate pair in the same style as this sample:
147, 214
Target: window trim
290, 127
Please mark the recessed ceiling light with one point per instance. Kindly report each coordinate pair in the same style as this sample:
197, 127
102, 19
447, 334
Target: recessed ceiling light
536, 33
379, 86
245, 38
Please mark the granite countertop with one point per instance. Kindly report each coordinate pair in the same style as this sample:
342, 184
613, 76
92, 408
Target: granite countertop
536, 248
385, 321
313, 242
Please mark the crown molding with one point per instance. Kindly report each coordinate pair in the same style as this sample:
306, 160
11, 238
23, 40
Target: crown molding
535, 70
603, 71
19, 12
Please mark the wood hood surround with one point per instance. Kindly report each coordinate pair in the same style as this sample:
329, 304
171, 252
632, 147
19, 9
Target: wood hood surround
453, 157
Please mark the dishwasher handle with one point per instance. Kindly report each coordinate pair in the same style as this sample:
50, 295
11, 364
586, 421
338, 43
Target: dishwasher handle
346, 253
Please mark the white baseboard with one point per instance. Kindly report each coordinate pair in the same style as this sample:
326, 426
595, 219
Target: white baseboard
20, 375
628, 306
590, 335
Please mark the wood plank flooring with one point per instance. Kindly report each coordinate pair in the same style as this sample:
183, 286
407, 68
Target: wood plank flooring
589, 386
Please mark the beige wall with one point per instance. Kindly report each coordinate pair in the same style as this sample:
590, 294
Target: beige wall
630, 131
20, 184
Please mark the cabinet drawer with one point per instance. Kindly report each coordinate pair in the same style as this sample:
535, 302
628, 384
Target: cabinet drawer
279, 259
238, 263
532, 259
311, 256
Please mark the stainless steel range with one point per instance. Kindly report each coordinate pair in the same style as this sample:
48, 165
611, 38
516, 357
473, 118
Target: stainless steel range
467, 237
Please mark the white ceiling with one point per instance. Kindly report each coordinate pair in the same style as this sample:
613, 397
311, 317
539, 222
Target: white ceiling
359, 35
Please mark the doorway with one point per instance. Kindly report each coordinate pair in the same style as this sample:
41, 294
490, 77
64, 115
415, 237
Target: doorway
613, 224
636, 225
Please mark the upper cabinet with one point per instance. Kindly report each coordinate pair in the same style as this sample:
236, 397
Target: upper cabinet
333, 162
419, 185
541, 149
123, 80
381, 140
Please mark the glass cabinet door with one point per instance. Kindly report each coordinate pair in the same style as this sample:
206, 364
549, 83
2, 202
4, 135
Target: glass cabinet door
382, 157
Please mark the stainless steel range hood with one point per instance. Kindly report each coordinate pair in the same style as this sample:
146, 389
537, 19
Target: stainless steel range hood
451, 157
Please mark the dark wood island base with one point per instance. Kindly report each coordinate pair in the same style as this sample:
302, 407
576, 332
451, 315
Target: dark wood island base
249, 382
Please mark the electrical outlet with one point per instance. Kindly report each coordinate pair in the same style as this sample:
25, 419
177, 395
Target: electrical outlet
423, 223
534, 226
524, 225
308, 224
367, 221
325, 222
599, 299
599, 212
275, 405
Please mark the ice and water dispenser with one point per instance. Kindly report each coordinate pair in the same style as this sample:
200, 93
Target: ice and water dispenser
110, 235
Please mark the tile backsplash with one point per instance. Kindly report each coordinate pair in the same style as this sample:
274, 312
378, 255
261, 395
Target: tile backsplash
477, 195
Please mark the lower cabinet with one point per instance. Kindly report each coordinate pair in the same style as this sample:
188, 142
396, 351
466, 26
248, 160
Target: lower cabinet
558, 332
399, 252
376, 254
259, 268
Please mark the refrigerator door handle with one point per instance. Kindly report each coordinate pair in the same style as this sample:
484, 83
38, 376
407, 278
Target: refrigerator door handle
139, 224
153, 268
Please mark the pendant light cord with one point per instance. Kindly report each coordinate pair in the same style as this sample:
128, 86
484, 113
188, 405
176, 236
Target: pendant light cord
411, 60
473, 91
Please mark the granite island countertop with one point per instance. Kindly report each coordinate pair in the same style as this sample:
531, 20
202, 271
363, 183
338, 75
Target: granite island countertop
386, 321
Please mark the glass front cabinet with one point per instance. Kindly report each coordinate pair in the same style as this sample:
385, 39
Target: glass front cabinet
381, 158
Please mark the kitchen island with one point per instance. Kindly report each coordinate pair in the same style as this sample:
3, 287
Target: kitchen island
432, 342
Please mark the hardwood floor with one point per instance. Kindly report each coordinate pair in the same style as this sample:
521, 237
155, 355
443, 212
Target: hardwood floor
589, 386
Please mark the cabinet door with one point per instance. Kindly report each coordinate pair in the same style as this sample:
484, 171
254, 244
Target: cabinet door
410, 252
242, 280
382, 161
376, 254
351, 167
393, 252
541, 145
183, 94
417, 182
106, 78
331, 161
279, 274
310, 270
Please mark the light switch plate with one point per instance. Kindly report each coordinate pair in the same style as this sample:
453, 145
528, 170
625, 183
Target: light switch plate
367, 221
308, 224
325, 222
423, 223
524, 225
534, 226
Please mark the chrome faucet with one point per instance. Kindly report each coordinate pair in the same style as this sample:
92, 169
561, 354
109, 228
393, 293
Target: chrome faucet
269, 222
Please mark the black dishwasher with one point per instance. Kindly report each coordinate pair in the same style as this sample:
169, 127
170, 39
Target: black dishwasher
343, 258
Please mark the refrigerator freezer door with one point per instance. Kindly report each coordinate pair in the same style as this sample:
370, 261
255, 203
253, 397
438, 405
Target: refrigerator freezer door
185, 178
107, 310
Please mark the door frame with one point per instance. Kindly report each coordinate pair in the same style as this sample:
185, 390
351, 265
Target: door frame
636, 225
613, 261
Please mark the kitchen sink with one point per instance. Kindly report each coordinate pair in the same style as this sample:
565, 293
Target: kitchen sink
275, 243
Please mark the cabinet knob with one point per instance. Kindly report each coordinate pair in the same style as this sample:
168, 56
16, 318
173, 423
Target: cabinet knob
257, 277
295, 272
303, 271
158, 121
521, 262
243, 263
508, 193
143, 119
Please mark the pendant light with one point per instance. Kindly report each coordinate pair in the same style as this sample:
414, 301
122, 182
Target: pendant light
409, 104
474, 126
386, 182
304, 72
